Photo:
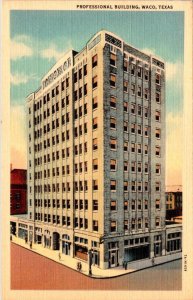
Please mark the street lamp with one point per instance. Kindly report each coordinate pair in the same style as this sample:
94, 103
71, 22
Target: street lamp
90, 261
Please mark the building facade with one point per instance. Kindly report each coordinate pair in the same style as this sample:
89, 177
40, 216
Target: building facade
96, 154
18, 193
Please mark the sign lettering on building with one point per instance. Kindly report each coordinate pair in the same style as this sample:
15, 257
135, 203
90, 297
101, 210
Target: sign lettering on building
56, 73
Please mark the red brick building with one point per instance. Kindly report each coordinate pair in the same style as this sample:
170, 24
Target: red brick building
18, 195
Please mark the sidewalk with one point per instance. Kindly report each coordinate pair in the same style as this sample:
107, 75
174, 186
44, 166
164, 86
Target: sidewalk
96, 272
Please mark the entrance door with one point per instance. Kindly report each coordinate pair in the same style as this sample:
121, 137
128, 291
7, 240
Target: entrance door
113, 259
56, 241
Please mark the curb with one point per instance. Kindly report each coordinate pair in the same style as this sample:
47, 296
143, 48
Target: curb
95, 276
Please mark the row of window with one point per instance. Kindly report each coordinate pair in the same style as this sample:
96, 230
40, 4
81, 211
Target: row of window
83, 186
78, 149
83, 204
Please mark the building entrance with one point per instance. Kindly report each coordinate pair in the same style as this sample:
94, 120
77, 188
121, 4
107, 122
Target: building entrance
56, 241
113, 258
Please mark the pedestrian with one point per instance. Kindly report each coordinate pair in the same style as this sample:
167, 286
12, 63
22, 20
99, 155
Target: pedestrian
153, 261
59, 256
126, 265
30, 244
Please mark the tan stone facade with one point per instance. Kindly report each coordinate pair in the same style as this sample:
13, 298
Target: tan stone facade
96, 154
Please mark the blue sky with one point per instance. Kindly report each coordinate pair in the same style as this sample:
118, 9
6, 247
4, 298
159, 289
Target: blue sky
38, 39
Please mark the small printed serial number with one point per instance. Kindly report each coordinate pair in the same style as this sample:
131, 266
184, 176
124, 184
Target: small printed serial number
185, 263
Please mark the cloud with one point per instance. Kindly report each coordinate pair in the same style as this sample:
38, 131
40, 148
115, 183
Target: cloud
19, 47
51, 53
17, 79
174, 148
18, 136
174, 70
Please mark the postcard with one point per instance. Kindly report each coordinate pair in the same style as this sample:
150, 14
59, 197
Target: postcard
96, 155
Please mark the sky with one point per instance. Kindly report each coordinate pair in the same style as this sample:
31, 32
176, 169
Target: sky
39, 38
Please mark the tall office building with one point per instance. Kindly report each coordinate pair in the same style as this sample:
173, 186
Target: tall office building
96, 154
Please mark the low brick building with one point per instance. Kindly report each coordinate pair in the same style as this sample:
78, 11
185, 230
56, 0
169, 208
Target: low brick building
18, 193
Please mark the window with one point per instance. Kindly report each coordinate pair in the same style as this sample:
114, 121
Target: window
95, 124
86, 204
133, 224
139, 110
125, 126
125, 146
112, 59
139, 188
145, 112
85, 89
139, 148
112, 80
146, 168
85, 70
145, 149
94, 82
157, 78
132, 147
126, 224
113, 164
139, 204
146, 223
95, 144
139, 129
132, 108
63, 85
113, 102
157, 151
158, 133
112, 123
139, 167
157, 186
146, 94
146, 131
158, 97
113, 226
157, 203
94, 102
158, 169
133, 204
139, 71
95, 185
113, 144
125, 87
125, 66
157, 221
95, 204
125, 166
133, 89
133, 128
146, 186
139, 91
125, 186
139, 223
95, 164
133, 69
146, 204
75, 77
113, 185
125, 106
94, 60
125, 205
113, 205
95, 225
157, 116
146, 74
80, 92
80, 74
133, 186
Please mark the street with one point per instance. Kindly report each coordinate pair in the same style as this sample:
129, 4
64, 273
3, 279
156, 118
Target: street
46, 274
